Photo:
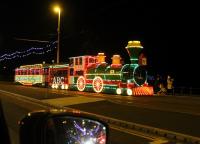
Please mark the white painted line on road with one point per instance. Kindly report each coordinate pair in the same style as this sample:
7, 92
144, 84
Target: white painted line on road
159, 141
129, 102
132, 132
154, 139
152, 107
71, 100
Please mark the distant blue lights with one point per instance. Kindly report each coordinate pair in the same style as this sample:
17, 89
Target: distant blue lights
22, 54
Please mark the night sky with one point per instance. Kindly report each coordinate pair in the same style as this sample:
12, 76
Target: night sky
169, 32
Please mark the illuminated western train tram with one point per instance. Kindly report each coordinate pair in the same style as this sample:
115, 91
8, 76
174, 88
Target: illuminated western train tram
54, 76
92, 73
36, 74
58, 76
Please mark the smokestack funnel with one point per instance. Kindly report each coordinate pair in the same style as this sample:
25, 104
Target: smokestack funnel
116, 59
134, 48
101, 58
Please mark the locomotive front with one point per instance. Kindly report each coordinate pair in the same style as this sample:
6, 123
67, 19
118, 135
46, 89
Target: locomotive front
128, 79
93, 73
134, 76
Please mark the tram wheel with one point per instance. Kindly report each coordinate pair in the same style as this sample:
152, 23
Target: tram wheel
81, 83
97, 84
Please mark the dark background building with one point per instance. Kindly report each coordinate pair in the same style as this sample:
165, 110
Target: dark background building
168, 31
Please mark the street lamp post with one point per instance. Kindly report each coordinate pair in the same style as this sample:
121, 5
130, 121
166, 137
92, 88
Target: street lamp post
57, 10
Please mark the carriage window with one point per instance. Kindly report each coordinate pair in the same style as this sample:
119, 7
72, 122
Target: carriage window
37, 72
32, 71
46, 72
24, 72
79, 73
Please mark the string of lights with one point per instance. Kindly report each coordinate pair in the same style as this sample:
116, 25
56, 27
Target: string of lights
30, 51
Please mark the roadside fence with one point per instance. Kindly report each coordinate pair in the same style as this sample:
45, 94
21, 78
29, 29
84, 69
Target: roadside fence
186, 91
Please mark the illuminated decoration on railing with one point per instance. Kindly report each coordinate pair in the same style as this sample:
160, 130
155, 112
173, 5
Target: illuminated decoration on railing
22, 54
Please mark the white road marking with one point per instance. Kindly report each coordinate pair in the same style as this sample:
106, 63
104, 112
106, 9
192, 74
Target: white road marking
159, 141
71, 100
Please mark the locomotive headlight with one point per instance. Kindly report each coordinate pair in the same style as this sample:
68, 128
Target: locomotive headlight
66, 86
129, 81
119, 91
56, 86
53, 86
129, 92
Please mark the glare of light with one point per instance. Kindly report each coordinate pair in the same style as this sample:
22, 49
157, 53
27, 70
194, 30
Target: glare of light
53, 86
119, 91
57, 9
102, 141
66, 86
129, 92
90, 141
62, 87
64, 122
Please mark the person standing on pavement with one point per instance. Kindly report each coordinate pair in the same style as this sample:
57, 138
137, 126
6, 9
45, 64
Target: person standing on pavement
170, 85
157, 84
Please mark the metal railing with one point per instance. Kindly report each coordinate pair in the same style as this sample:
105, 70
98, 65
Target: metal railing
186, 91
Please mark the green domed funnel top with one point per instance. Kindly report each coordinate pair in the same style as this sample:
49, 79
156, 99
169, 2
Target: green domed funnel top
134, 48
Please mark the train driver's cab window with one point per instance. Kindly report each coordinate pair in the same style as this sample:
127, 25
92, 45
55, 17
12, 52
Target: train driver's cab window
71, 62
80, 61
71, 72
76, 61
91, 60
